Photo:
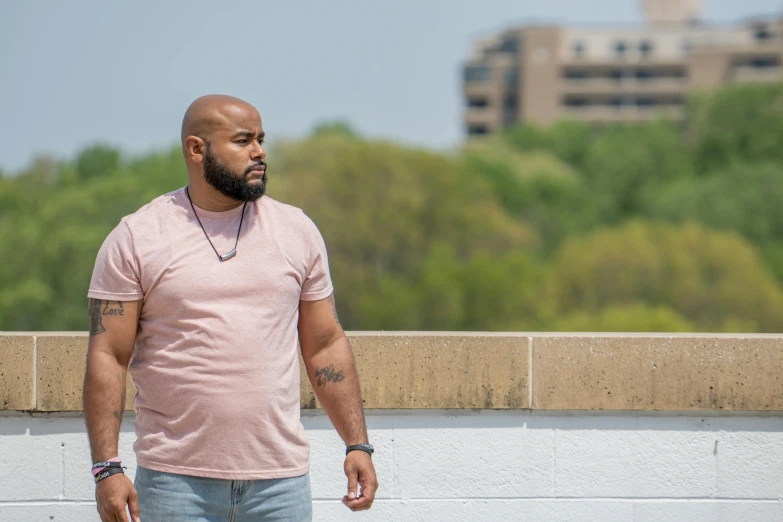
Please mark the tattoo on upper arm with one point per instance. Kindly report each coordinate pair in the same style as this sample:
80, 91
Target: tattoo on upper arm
97, 308
328, 374
334, 308
94, 309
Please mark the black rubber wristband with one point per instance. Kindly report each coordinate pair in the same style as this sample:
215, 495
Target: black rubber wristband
107, 464
107, 473
361, 447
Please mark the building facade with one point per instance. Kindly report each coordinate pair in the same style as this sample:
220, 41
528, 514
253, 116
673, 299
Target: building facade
600, 75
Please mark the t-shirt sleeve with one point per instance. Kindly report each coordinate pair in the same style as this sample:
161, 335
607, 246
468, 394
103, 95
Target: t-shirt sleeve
116, 275
318, 283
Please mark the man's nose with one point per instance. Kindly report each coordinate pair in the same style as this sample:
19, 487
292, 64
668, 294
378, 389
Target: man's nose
257, 152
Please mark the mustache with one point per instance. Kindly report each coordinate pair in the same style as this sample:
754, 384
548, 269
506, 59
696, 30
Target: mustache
255, 166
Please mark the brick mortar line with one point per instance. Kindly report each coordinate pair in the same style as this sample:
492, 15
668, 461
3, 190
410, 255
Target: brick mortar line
35, 372
704, 500
531, 340
695, 500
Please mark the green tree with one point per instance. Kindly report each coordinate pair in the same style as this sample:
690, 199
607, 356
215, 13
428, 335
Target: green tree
627, 164
567, 140
534, 187
631, 317
737, 123
400, 225
744, 198
712, 279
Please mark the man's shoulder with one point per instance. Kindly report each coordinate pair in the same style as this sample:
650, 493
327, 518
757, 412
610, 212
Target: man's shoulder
284, 211
156, 210
279, 206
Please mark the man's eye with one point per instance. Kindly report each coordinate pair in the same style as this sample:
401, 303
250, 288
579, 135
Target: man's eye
242, 141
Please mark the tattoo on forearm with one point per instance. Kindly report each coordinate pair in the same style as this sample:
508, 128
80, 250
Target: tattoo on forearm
97, 308
328, 374
334, 308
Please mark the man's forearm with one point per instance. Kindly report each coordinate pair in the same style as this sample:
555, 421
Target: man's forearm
104, 402
332, 373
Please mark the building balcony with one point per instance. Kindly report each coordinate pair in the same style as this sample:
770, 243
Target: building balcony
758, 74
612, 86
622, 114
481, 116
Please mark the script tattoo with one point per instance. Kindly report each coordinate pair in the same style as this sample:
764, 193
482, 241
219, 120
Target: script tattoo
328, 374
98, 308
94, 310
113, 311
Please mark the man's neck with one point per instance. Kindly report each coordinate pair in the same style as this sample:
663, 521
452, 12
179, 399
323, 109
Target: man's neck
208, 198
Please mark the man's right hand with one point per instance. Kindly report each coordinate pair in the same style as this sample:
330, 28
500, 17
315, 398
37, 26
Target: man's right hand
113, 494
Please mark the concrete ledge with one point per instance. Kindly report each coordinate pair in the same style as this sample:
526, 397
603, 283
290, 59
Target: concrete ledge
464, 370
653, 373
438, 371
17, 368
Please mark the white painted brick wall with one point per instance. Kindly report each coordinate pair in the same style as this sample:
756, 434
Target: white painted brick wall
468, 466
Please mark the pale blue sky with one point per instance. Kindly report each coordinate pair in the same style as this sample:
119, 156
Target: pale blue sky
79, 71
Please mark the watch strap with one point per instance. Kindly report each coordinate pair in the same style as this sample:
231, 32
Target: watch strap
367, 448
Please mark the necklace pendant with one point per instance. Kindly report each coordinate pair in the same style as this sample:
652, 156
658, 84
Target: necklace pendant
229, 255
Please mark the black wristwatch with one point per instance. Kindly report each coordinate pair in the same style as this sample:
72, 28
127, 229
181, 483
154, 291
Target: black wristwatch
367, 448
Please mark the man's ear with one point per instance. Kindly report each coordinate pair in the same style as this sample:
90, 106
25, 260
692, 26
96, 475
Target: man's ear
195, 149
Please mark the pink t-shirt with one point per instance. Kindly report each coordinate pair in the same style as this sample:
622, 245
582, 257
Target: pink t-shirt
215, 360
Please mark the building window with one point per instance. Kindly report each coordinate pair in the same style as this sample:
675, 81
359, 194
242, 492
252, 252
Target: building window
620, 48
646, 48
762, 34
576, 101
616, 74
644, 101
643, 74
511, 78
510, 103
575, 74
477, 130
475, 102
617, 101
509, 45
659, 74
477, 74
579, 49
765, 62
670, 101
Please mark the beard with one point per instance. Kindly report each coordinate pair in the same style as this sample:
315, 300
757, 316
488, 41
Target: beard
234, 186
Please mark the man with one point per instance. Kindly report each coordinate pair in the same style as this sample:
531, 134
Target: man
200, 294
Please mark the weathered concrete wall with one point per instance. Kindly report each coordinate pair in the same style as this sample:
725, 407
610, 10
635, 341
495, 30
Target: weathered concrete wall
467, 465
45, 372
473, 427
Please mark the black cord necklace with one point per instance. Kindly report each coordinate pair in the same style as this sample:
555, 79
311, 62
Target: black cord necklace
233, 252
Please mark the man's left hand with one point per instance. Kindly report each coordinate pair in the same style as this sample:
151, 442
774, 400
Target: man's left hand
360, 470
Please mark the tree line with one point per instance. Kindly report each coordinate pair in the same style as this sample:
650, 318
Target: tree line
665, 226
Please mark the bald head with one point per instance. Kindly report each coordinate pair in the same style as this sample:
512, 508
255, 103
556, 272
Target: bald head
222, 140
213, 112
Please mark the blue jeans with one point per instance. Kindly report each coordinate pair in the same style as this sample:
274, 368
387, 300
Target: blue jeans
170, 497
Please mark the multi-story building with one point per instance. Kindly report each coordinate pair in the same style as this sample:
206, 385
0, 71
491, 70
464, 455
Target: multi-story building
600, 75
